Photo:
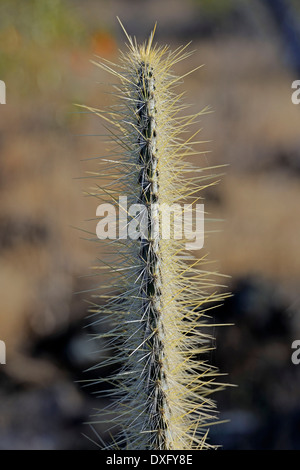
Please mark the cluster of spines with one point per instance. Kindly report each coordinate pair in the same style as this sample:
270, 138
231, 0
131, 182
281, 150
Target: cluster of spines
158, 317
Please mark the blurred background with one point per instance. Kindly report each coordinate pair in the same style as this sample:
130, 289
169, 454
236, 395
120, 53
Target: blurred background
251, 52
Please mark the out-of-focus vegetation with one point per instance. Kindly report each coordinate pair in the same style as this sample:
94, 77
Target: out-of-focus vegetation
31, 33
41, 22
215, 8
218, 8
42, 41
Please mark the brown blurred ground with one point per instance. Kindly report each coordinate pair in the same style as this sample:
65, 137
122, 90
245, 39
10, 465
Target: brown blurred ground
254, 128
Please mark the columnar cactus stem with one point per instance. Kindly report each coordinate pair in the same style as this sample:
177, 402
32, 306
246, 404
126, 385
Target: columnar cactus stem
154, 376
159, 317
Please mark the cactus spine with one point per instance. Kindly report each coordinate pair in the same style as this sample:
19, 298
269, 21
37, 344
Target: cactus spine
158, 318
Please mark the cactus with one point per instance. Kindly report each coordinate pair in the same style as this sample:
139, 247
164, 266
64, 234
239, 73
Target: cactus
162, 293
